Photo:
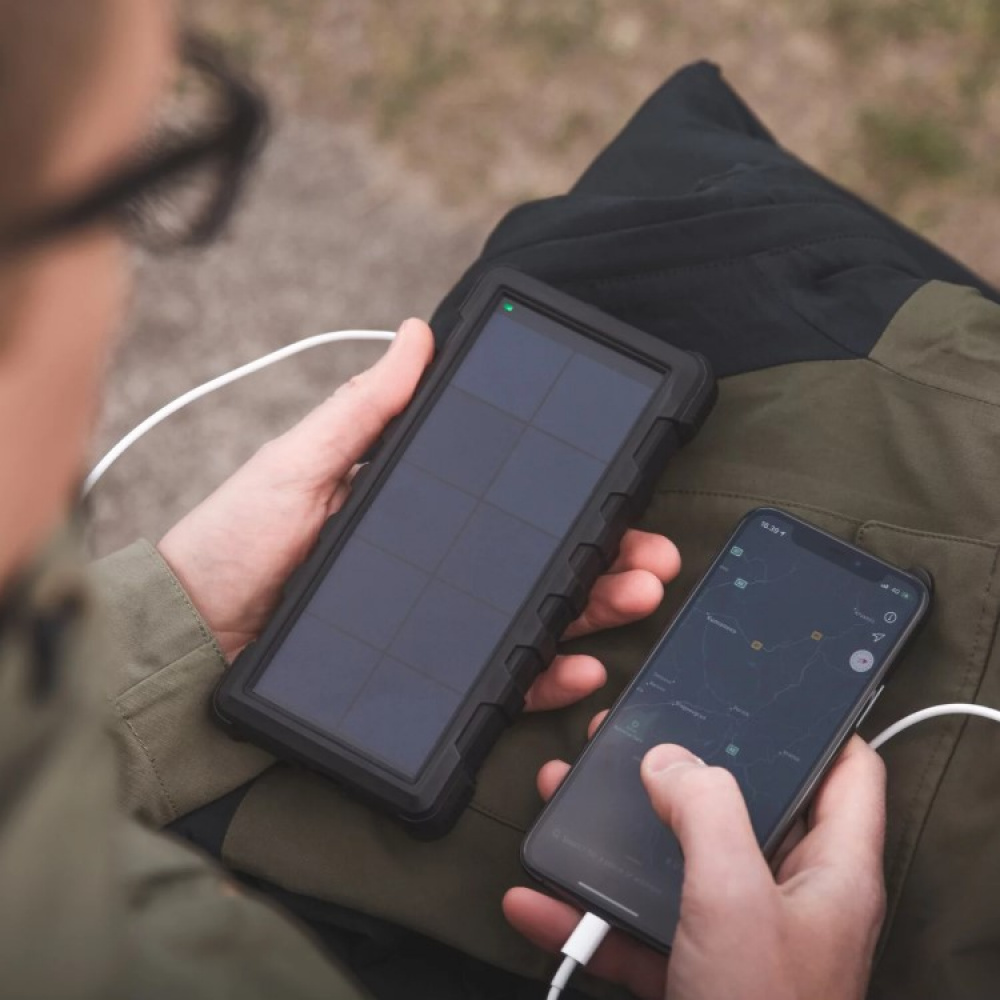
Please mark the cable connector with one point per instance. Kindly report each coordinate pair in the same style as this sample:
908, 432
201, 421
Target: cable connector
579, 950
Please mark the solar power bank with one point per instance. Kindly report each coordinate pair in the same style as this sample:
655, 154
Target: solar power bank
407, 639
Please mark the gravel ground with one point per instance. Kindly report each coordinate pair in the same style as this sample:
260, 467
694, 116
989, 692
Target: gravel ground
331, 235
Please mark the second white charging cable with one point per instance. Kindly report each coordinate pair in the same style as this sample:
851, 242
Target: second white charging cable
579, 950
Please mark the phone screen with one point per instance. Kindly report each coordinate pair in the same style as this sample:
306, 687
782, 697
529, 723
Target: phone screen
452, 545
782, 641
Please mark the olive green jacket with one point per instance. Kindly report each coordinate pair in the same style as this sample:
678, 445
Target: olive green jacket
100, 743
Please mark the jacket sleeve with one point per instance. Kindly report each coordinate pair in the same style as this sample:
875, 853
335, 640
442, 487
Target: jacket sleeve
191, 932
164, 666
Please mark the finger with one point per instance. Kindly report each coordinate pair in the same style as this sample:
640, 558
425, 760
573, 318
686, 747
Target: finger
595, 723
724, 870
343, 490
550, 777
617, 599
548, 923
342, 428
847, 817
566, 681
651, 552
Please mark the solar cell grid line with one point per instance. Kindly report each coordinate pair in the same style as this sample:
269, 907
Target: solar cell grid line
368, 592
497, 557
410, 495
481, 500
463, 440
379, 653
544, 542
305, 657
449, 635
512, 366
351, 687
599, 428
555, 375
425, 471
545, 482
395, 692
350, 674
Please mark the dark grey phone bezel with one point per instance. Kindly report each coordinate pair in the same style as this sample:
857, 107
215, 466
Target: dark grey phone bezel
816, 774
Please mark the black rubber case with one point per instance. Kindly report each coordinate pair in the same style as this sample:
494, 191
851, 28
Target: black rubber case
429, 805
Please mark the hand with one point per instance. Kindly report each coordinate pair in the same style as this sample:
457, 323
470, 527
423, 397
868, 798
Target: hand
807, 929
234, 551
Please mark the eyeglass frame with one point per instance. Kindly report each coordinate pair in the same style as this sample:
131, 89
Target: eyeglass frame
234, 142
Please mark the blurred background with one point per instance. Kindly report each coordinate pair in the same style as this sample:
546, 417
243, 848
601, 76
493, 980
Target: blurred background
405, 128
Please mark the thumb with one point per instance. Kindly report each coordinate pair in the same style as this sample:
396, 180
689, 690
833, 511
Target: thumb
703, 806
328, 441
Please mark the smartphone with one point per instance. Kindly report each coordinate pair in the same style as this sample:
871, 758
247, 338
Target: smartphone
771, 664
407, 640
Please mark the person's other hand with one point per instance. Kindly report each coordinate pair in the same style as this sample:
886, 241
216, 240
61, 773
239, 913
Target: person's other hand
806, 927
234, 552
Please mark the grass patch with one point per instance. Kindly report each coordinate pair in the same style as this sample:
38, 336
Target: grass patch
863, 25
554, 30
860, 26
904, 149
425, 67
574, 126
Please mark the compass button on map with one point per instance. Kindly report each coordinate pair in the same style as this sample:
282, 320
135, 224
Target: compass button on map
862, 661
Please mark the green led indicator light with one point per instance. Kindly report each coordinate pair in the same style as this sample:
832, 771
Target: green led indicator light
509, 306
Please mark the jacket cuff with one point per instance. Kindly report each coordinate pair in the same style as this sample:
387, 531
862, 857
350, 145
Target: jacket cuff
165, 664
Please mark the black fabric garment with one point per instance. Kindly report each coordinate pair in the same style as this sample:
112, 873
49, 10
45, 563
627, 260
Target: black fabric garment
695, 226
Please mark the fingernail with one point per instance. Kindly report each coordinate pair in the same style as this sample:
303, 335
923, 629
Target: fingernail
409, 323
668, 755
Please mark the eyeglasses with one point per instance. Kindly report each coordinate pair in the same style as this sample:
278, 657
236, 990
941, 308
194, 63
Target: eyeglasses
181, 187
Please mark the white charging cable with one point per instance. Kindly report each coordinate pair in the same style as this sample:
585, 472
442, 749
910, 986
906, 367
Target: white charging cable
217, 383
932, 713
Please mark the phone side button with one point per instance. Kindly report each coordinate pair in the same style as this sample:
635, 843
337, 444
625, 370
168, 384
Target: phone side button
868, 707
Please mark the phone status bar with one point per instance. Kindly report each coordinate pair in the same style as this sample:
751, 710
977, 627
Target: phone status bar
902, 592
